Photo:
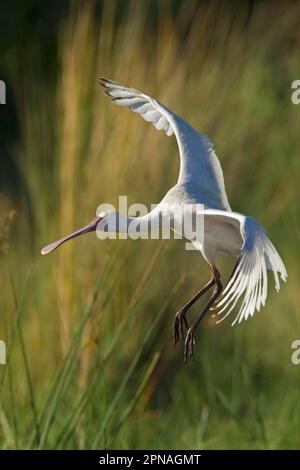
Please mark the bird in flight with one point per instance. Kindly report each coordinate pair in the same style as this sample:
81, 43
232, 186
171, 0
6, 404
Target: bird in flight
200, 182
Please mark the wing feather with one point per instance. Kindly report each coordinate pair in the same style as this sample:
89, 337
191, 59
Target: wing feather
149, 108
249, 281
199, 165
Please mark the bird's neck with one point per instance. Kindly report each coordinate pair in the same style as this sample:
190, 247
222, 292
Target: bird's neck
135, 226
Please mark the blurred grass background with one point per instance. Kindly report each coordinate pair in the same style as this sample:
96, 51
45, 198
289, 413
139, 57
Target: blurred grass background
88, 329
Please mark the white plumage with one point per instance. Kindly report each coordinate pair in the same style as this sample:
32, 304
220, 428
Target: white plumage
226, 232
199, 164
250, 275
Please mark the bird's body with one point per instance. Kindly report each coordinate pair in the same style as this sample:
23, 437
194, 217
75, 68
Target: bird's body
201, 182
219, 238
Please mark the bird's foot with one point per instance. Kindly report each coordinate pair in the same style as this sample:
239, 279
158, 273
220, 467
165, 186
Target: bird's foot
190, 341
179, 320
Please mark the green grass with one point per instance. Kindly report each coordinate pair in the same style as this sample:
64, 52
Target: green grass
91, 363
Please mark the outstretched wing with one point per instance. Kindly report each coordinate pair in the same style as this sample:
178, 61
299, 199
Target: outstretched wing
199, 165
249, 279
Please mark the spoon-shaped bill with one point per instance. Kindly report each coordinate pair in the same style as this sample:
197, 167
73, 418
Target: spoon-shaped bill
91, 227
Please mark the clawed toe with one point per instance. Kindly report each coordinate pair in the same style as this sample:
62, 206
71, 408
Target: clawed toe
190, 341
178, 325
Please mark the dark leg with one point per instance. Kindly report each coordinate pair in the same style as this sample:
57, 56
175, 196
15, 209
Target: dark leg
213, 307
180, 316
190, 337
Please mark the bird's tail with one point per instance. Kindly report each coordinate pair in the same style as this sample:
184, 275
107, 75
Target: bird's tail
250, 275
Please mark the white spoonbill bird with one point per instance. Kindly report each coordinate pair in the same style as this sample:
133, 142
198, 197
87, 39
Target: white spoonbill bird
226, 232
